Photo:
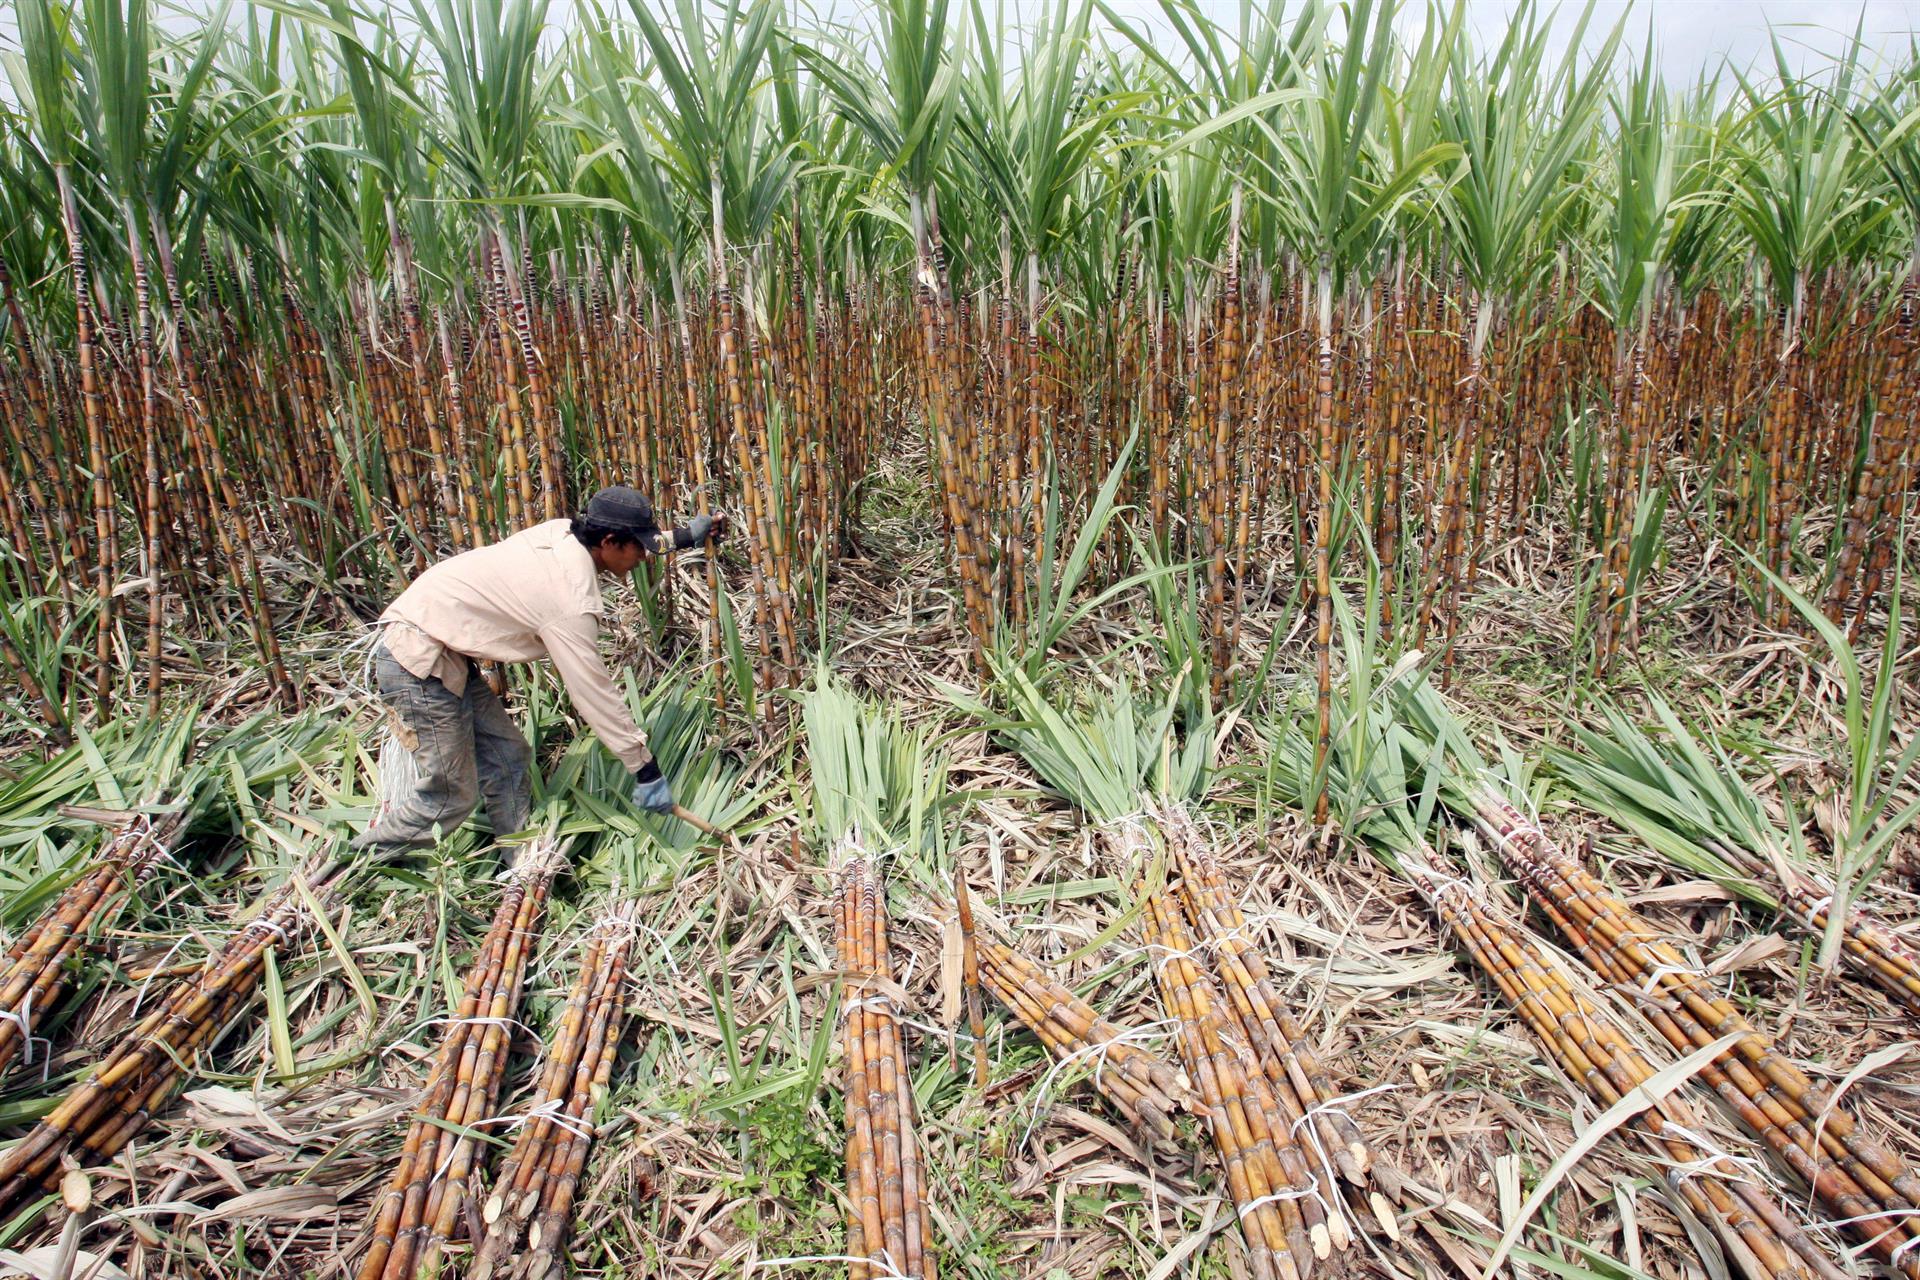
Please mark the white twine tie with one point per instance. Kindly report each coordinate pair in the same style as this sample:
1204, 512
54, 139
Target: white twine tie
23, 1018
1309, 1192
1335, 1104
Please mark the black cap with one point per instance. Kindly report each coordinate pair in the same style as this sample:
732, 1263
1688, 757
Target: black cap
623, 507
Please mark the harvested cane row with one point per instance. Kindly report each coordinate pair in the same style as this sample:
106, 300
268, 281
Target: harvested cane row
1261, 1019
1137, 1082
104, 1112
1867, 1188
422, 1206
1282, 1212
889, 1232
1588, 1048
533, 1194
38, 964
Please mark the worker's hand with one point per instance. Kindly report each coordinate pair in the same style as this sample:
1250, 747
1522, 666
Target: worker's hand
697, 531
650, 789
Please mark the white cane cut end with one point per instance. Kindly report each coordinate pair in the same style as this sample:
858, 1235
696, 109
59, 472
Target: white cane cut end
1384, 1215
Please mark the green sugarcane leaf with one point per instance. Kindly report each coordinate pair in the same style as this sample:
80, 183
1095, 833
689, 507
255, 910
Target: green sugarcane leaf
279, 1033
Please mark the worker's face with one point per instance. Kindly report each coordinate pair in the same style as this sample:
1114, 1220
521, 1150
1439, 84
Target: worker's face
618, 558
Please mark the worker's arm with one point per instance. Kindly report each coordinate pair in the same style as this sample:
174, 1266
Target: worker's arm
574, 645
692, 533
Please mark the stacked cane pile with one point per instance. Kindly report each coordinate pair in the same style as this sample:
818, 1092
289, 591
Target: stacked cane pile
1861, 1183
38, 965
104, 1112
1136, 1082
1281, 1211
533, 1194
1589, 1049
1262, 1020
887, 1221
1294, 1160
422, 1206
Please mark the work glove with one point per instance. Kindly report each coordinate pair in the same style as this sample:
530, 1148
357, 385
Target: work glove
697, 530
650, 789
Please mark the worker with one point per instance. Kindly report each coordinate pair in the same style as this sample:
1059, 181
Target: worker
533, 595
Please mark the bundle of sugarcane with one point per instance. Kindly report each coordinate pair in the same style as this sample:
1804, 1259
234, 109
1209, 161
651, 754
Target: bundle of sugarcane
421, 1208
888, 1228
102, 1113
1262, 1021
1282, 1212
541, 1175
38, 964
1868, 944
1590, 1050
1139, 1084
1869, 1188
1684, 796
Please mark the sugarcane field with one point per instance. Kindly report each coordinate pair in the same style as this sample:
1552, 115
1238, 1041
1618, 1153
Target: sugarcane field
915, 639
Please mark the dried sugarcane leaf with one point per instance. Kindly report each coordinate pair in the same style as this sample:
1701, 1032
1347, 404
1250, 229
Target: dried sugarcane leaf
216, 1106
952, 969
1751, 953
1098, 1128
1195, 1241
274, 1202
1647, 1094
1873, 1062
39, 1263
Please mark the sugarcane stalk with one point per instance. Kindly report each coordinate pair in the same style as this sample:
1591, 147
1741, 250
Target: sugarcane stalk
105, 549
1264, 1024
548, 1235
1130, 1077
864, 1232
98, 1115
448, 1194
970, 975
1323, 541
562, 1057
34, 977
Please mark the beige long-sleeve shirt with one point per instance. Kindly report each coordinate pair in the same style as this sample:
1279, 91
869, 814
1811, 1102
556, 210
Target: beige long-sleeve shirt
533, 595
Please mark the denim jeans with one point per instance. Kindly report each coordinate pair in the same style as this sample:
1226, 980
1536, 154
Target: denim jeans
465, 747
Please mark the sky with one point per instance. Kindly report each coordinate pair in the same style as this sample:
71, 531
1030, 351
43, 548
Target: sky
1689, 35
